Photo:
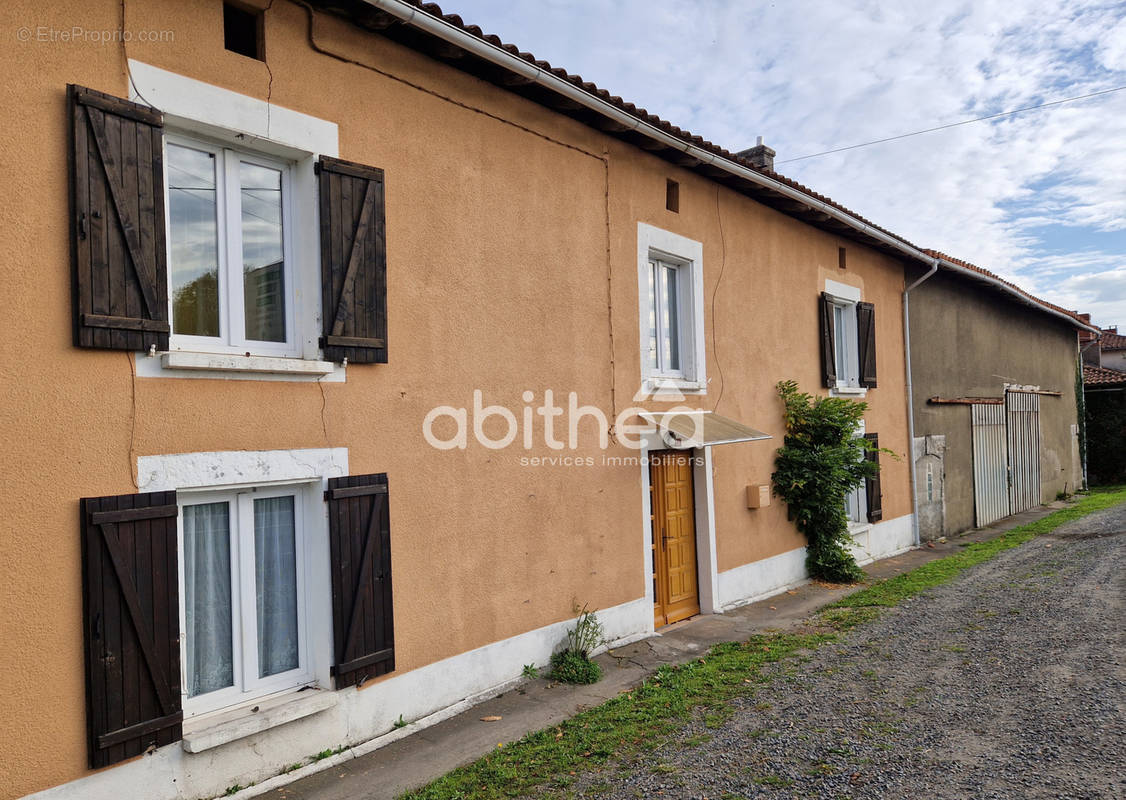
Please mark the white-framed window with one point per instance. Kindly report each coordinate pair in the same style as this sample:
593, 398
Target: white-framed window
242, 595
856, 501
846, 355
664, 344
195, 111
231, 282
671, 310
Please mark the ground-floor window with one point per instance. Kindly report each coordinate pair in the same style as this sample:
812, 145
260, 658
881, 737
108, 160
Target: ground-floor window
242, 595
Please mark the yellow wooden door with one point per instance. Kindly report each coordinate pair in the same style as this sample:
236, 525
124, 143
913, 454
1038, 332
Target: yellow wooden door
675, 589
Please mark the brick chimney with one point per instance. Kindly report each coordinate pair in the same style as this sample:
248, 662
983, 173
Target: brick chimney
760, 155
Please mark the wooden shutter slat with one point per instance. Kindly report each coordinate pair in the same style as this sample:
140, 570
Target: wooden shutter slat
828, 350
866, 344
360, 545
119, 107
353, 262
365, 661
130, 581
872, 487
133, 514
133, 731
117, 189
355, 491
128, 323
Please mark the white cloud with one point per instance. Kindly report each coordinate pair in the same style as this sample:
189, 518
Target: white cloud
810, 76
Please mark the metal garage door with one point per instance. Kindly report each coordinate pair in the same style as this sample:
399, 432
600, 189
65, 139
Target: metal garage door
991, 463
1023, 417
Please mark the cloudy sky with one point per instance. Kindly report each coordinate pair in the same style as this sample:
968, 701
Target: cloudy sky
1038, 197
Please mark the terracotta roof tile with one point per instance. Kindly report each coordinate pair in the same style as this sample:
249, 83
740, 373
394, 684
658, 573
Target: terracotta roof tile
974, 267
435, 10
1112, 341
1102, 376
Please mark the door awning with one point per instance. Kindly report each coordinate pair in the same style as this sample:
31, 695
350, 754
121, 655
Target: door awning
683, 429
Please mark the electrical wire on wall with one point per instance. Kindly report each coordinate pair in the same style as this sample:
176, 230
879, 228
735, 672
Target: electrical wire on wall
604, 159
715, 291
132, 419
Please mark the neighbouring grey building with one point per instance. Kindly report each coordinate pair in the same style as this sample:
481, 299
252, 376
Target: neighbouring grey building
994, 376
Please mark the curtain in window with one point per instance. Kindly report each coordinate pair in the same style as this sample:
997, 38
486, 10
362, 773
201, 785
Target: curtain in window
207, 597
275, 573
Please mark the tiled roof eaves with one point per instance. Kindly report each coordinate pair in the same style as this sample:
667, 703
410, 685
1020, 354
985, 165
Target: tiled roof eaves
1014, 289
367, 14
1112, 342
1102, 376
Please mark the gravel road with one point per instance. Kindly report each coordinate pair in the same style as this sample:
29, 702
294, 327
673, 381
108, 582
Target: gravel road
1009, 682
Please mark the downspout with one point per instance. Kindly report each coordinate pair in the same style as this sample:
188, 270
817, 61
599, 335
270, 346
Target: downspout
911, 398
1083, 388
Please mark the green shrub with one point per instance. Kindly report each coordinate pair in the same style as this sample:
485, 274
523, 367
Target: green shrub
821, 460
569, 666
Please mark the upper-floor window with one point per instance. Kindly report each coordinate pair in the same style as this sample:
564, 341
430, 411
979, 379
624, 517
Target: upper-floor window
848, 339
230, 272
670, 288
844, 344
666, 284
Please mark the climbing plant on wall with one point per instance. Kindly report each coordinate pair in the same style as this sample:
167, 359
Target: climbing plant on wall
821, 460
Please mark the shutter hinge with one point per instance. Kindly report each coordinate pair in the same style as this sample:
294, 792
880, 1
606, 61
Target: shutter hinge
82, 225
317, 167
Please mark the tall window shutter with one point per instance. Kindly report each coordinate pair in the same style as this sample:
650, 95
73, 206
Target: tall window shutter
360, 548
828, 352
872, 485
353, 262
117, 190
132, 624
866, 333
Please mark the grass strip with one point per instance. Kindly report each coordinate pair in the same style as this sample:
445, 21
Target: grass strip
548, 761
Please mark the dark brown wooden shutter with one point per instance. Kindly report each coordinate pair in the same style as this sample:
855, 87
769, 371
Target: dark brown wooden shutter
353, 262
872, 485
828, 351
360, 547
117, 191
132, 624
866, 346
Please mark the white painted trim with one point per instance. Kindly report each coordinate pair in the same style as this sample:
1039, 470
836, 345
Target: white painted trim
183, 359
843, 291
770, 576
230, 469
270, 713
884, 539
204, 104
364, 718
707, 564
761, 579
214, 366
653, 241
202, 109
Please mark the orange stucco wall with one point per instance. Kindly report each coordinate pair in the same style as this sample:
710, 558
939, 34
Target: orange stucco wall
499, 279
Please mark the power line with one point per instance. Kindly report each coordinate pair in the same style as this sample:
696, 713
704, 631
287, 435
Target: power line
953, 125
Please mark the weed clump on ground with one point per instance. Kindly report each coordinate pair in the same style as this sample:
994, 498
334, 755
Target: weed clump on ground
573, 664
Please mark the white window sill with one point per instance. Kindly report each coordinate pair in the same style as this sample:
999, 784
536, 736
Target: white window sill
192, 364
856, 529
228, 726
180, 359
653, 385
849, 391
